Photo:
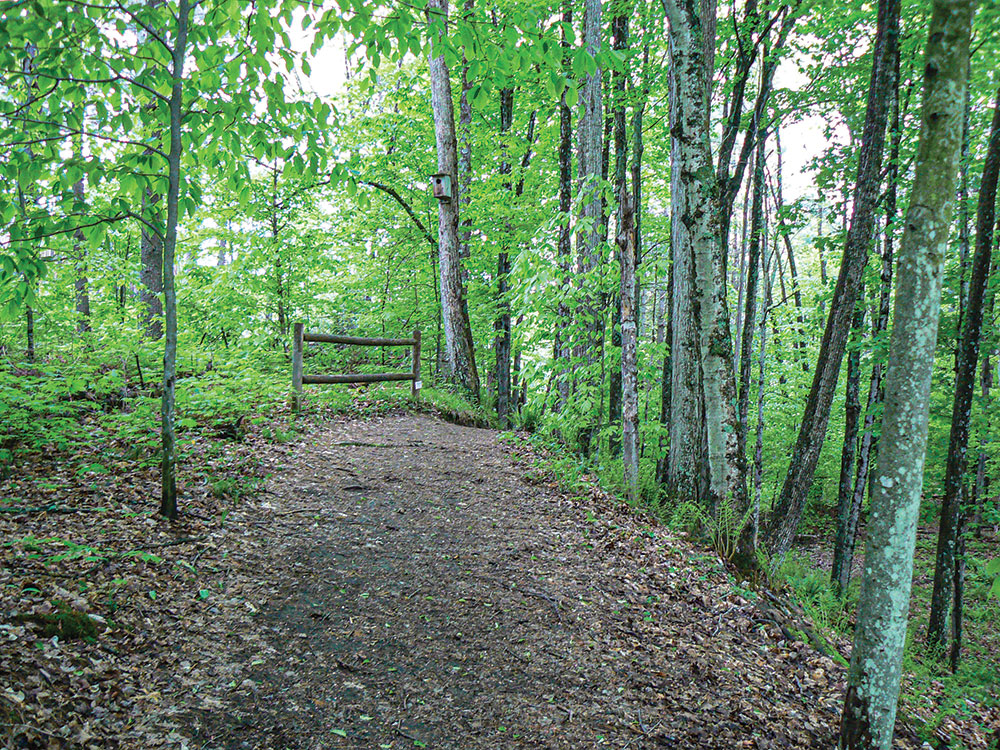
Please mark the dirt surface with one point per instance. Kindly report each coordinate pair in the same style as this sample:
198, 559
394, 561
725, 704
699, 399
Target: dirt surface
421, 586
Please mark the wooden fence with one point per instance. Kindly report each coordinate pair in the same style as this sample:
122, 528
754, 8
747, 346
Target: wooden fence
298, 379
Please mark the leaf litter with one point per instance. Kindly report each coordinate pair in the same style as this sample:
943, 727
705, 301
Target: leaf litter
397, 582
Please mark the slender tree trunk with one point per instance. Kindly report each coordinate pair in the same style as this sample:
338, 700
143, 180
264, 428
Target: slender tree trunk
81, 285
784, 521
151, 270
502, 324
465, 160
29, 324
561, 353
843, 553
619, 29
758, 453
950, 529
629, 335
168, 499
460, 359
753, 270
876, 659
845, 491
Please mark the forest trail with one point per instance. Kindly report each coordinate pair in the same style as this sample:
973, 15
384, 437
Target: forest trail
419, 587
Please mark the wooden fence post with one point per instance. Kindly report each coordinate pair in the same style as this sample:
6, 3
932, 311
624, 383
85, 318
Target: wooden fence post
297, 367
415, 385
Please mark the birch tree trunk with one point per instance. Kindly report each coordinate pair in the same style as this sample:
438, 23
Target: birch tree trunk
460, 360
965, 383
876, 660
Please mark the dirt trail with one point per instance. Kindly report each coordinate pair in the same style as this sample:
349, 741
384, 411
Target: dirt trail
415, 589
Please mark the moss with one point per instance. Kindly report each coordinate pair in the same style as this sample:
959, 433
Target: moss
66, 623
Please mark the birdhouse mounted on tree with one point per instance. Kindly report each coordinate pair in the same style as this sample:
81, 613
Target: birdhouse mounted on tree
442, 187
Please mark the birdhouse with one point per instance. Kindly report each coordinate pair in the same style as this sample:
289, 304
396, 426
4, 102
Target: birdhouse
442, 187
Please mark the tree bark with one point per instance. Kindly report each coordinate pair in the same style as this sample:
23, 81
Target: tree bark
151, 271
619, 29
785, 518
591, 169
697, 212
629, 340
876, 659
460, 360
168, 497
81, 285
501, 326
752, 275
965, 382
561, 346
686, 409
843, 553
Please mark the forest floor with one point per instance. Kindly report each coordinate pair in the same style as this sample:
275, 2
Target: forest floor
394, 582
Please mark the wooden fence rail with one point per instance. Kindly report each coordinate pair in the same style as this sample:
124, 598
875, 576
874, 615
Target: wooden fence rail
299, 379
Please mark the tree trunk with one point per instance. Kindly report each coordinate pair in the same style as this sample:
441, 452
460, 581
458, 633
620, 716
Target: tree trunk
965, 382
876, 659
619, 28
785, 518
686, 410
29, 324
629, 337
502, 324
752, 274
697, 212
844, 553
168, 498
591, 169
460, 360
151, 270
561, 346
81, 285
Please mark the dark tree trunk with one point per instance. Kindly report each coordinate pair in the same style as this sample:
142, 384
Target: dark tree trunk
151, 271
951, 526
784, 521
81, 285
619, 30
843, 553
561, 347
168, 497
753, 272
501, 326
29, 322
